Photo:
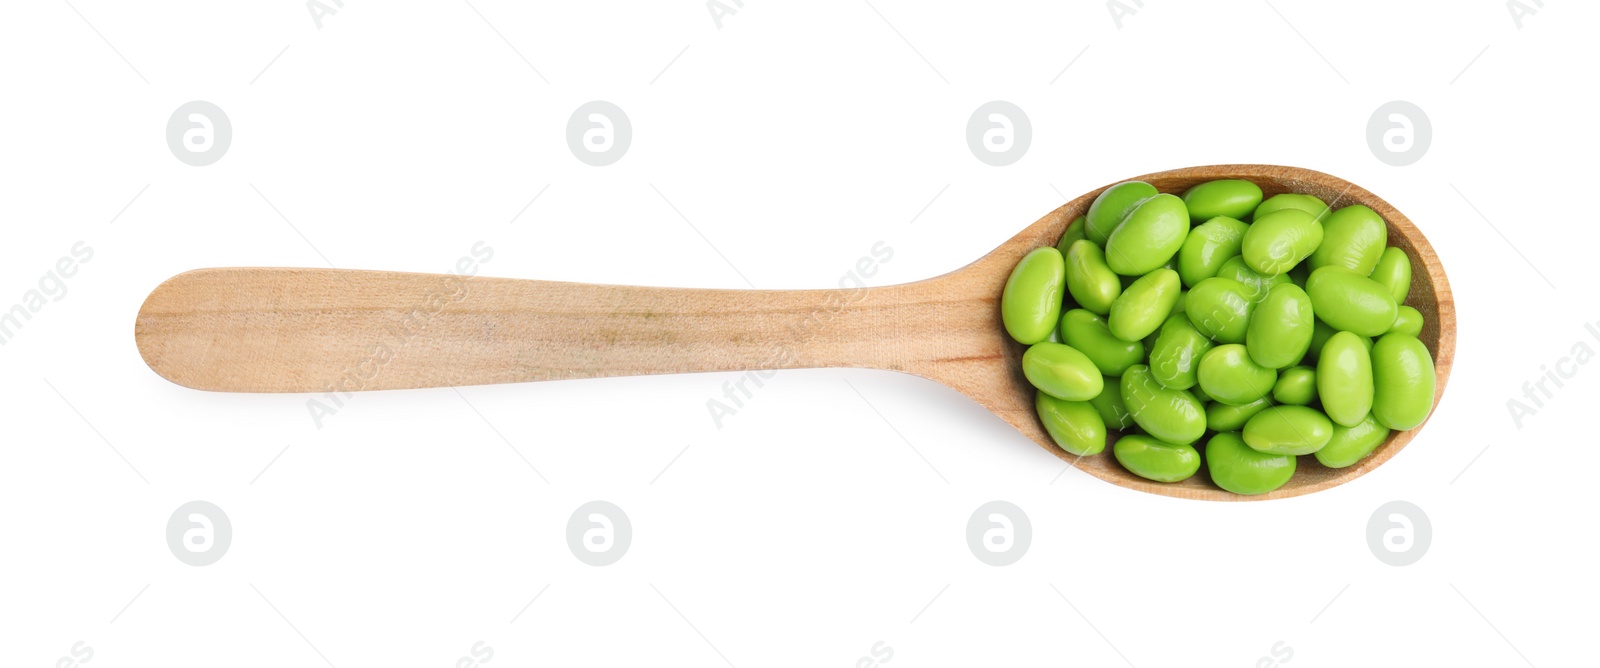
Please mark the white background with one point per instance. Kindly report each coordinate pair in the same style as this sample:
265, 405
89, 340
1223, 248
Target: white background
793, 138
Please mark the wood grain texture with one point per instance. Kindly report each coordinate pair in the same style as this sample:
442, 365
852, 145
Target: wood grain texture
330, 330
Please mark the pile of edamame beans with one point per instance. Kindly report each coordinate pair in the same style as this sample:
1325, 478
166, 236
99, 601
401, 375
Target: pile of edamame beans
1277, 327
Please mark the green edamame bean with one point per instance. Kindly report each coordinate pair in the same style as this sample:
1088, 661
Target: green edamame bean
1220, 309
1229, 375
1350, 302
1141, 308
1177, 306
1092, 284
1281, 328
1402, 380
1344, 379
1297, 386
1075, 231
1030, 306
1352, 444
1208, 246
1234, 198
1307, 203
1175, 356
1088, 333
1278, 241
1288, 430
1353, 238
1257, 284
1407, 320
1200, 395
1174, 416
1075, 426
1113, 206
1062, 371
1153, 459
1149, 237
1221, 417
1237, 468
1393, 271
1113, 411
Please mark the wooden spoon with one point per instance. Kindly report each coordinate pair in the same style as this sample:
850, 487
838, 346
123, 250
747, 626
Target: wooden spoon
334, 330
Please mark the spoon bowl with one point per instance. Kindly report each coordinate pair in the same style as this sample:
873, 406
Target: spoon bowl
341, 331
1430, 295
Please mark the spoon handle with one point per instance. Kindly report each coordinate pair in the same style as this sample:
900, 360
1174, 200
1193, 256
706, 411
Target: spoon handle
333, 330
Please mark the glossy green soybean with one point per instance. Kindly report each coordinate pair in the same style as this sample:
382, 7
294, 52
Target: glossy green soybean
1091, 283
1149, 237
1278, 241
1174, 416
1113, 411
1407, 320
1288, 430
1393, 271
1075, 426
1234, 198
1350, 302
1297, 386
1208, 246
1141, 308
1352, 444
1088, 333
1221, 417
1403, 381
1344, 379
1281, 328
1229, 376
1256, 284
1153, 459
1030, 306
1112, 206
1075, 231
1175, 356
1237, 468
1220, 309
1353, 238
1177, 306
1200, 395
1062, 371
1307, 203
